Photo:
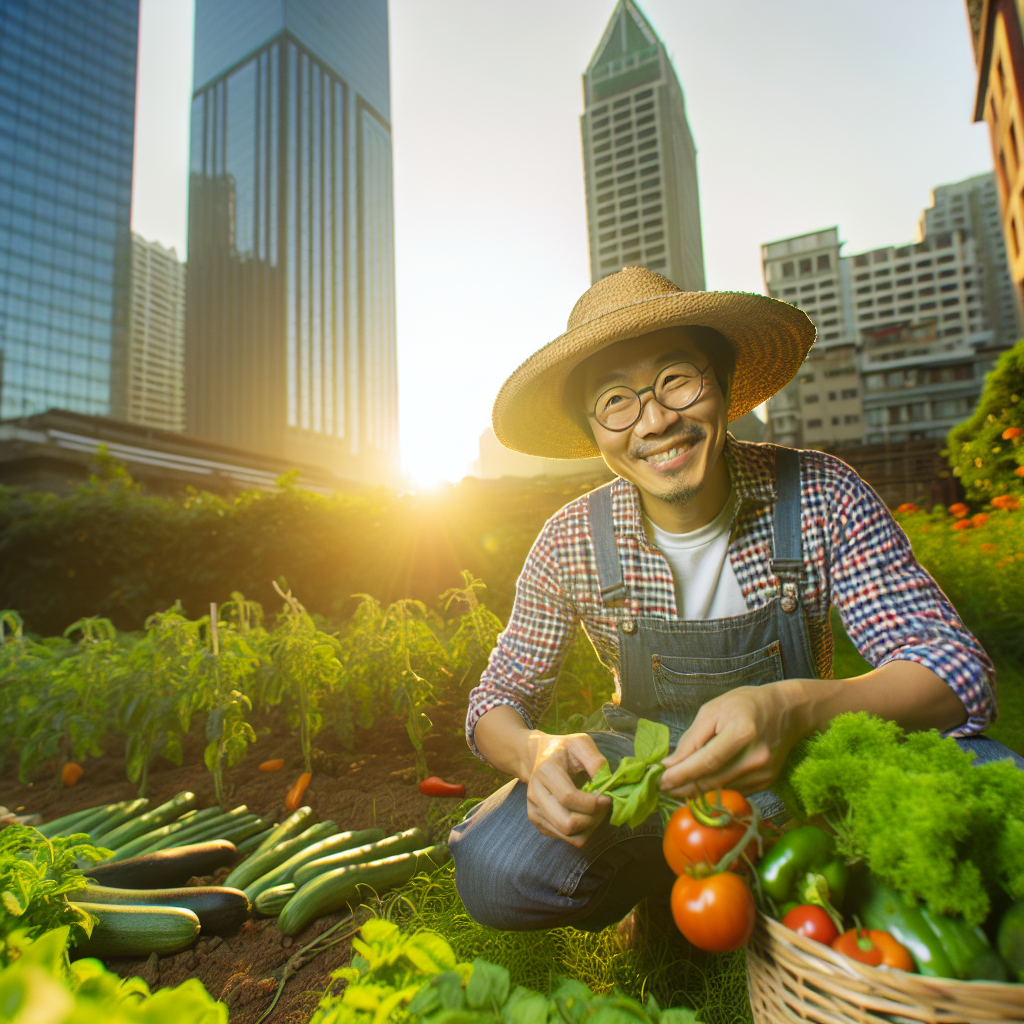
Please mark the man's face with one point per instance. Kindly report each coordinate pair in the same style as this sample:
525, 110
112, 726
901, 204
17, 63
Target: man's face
667, 454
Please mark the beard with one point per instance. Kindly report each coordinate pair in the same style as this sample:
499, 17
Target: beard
676, 492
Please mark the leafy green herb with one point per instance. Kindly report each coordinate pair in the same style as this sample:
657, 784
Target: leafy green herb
634, 785
916, 811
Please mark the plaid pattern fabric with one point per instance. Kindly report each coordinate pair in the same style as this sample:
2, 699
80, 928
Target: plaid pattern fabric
855, 557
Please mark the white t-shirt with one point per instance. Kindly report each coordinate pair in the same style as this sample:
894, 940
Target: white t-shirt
706, 586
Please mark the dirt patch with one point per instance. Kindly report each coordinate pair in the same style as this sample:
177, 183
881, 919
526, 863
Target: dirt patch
373, 787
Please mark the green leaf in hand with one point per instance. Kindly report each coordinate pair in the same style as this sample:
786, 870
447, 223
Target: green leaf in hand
651, 742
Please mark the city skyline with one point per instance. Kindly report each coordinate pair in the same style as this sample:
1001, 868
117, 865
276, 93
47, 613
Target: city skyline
506, 204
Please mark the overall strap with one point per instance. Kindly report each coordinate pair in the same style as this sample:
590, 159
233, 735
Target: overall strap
788, 565
602, 533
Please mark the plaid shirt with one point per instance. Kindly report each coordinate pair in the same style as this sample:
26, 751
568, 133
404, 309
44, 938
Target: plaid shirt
855, 557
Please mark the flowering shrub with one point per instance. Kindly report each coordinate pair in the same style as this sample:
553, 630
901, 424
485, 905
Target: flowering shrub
987, 451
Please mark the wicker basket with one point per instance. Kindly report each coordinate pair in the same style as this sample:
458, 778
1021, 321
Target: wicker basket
795, 979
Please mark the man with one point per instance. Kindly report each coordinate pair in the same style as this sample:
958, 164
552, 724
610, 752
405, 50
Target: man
703, 576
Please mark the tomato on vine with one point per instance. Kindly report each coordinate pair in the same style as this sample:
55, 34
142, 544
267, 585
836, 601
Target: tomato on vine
704, 832
715, 913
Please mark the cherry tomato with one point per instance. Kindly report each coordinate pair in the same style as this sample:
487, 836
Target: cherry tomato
894, 954
813, 923
687, 842
716, 913
858, 945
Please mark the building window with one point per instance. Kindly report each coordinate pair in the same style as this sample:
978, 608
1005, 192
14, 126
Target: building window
813, 424
824, 262
805, 266
849, 393
851, 418
831, 396
809, 399
787, 269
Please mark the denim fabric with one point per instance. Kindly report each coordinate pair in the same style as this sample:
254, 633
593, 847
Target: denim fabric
513, 878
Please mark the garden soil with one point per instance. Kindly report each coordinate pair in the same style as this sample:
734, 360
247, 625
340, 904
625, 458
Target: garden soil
374, 787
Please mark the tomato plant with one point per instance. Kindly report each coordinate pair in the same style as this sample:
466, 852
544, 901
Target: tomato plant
715, 913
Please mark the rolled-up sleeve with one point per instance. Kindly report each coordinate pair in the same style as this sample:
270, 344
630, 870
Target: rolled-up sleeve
891, 607
523, 667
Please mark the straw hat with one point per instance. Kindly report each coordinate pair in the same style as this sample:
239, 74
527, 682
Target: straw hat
770, 339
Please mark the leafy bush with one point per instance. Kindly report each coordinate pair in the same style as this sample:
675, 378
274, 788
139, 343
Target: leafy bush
986, 451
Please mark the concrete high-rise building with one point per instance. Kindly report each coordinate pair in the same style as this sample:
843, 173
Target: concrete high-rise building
290, 322
998, 35
155, 363
67, 130
906, 333
640, 163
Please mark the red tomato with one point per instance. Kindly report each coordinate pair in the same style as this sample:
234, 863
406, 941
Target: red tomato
857, 945
813, 923
687, 842
716, 913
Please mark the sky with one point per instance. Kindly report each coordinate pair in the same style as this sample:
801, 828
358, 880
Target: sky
805, 115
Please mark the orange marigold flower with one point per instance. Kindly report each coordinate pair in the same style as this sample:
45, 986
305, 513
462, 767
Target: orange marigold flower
1011, 432
1019, 471
980, 519
962, 524
959, 510
908, 506
989, 549
1008, 502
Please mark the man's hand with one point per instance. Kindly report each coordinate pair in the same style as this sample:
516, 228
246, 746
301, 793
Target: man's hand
740, 740
553, 803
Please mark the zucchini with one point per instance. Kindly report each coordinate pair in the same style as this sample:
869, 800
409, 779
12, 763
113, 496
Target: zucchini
256, 866
253, 843
129, 809
164, 868
51, 828
137, 931
220, 910
296, 822
162, 815
271, 902
285, 872
143, 843
402, 842
242, 830
336, 889
204, 830
86, 822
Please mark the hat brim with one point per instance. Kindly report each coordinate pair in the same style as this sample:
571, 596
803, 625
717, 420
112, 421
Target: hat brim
770, 339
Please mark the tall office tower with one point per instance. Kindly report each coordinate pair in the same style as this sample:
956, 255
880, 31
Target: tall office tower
998, 36
920, 324
973, 205
290, 323
67, 129
155, 363
639, 159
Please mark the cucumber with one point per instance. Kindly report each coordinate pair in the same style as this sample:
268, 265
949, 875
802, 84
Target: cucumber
296, 822
143, 843
204, 830
137, 931
220, 910
171, 867
87, 822
271, 902
402, 842
253, 843
285, 872
242, 830
51, 828
129, 809
336, 889
162, 815
256, 866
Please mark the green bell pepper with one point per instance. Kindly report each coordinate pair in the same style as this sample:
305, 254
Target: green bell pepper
794, 867
1010, 939
968, 948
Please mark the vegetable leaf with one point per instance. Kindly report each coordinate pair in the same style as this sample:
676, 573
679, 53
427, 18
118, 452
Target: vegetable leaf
651, 742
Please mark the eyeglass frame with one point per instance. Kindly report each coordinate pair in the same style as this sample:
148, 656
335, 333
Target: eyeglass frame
650, 387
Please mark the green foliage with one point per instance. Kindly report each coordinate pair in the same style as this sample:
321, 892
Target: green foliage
915, 811
673, 973
38, 986
984, 460
415, 977
37, 876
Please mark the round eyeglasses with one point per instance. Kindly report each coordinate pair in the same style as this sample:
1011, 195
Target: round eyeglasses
677, 387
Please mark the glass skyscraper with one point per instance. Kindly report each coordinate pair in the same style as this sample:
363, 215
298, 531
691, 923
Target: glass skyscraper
67, 127
290, 331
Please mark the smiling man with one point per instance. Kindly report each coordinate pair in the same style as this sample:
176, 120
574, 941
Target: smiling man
703, 576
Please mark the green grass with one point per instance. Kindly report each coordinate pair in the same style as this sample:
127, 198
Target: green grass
714, 984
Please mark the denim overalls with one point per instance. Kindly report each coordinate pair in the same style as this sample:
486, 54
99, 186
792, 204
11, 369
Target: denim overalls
509, 875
